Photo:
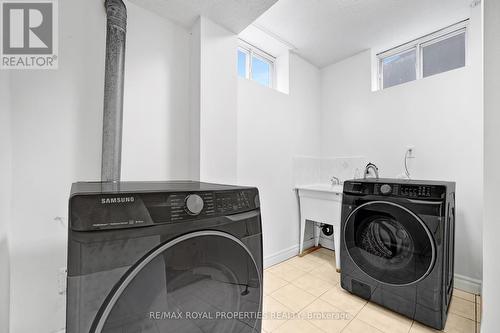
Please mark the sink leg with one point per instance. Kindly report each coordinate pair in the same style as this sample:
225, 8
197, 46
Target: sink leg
302, 232
316, 233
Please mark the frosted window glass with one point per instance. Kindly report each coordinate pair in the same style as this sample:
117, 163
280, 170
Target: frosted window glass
444, 55
399, 68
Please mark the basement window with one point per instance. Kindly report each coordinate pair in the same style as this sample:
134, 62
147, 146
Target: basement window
436, 53
256, 65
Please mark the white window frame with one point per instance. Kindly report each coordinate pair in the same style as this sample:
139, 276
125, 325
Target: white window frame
253, 51
418, 44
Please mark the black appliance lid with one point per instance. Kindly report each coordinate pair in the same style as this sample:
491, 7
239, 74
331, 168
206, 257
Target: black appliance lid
89, 188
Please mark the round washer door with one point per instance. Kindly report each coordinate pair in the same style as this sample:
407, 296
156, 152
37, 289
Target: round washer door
202, 282
389, 243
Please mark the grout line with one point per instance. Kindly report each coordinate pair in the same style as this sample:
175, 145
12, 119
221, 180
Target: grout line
475, 314
465, 299
357, 314
460, 315
475, 311
313, 324
302, 309
284, 321
412, 323
277, 276
272, 292
345, 327
378, 329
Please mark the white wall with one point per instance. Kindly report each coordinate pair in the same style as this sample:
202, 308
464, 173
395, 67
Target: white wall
491, 228
213, 95
218, 102
195, 102
5, 198
273, 128
56, 136
440, 115
156, 131
56, 126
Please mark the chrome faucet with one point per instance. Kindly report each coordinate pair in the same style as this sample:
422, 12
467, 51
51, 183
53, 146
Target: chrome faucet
371, 166
335, 180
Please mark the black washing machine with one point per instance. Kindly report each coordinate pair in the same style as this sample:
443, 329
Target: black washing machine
164, 257
398, 245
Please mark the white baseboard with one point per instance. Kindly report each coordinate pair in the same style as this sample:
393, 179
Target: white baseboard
467, 284
285, 254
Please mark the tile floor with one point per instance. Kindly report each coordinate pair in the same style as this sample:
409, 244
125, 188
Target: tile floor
299, 290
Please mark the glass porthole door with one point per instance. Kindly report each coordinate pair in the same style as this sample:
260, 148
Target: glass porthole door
202, 282
389, 243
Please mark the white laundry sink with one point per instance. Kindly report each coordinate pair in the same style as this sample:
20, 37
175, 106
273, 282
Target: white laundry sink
322, 188
321, 203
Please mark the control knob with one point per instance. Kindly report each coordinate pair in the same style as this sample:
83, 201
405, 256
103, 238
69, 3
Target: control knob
194, 204
385, 189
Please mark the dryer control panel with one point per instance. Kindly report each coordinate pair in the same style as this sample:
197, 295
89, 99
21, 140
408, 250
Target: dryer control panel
126, 210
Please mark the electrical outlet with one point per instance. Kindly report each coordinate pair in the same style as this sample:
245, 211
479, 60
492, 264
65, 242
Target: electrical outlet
411, 151
61, 281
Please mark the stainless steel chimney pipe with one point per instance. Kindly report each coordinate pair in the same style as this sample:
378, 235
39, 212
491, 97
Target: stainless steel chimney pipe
116, 31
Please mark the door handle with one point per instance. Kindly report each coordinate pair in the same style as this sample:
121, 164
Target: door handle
243, 216
424, 202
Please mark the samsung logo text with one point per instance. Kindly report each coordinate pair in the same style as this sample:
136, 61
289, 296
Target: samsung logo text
105, 201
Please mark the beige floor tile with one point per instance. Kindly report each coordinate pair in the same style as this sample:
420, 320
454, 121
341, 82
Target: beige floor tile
384, 319
272, 282
293, 297
326, 317
343, 300
420, 328
304, 263
313, 285
463, 308
327, 273
464, 295
298, 326
287, 271
274, 314
359, 326
321, 258
458, 324
326, 252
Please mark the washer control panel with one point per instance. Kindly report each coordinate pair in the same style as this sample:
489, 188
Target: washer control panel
132, 209
187, 206
416, 191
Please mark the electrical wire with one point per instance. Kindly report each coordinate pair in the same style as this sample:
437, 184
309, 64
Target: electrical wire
407, 173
